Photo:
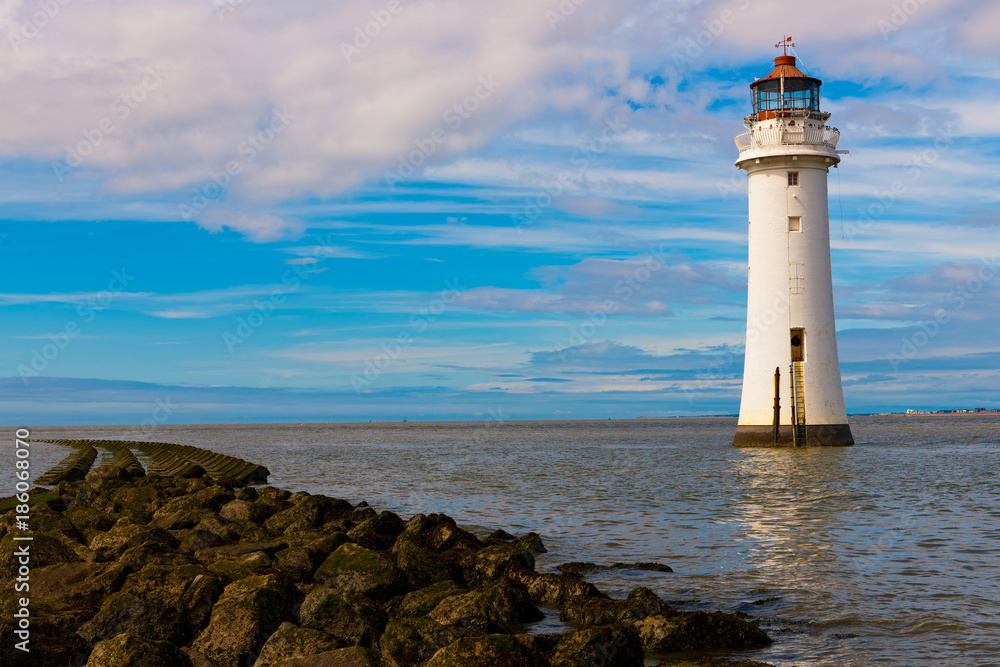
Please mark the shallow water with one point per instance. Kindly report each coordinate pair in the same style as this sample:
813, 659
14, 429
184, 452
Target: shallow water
886, 553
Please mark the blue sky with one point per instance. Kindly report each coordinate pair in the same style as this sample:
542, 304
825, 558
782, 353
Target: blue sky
249, 212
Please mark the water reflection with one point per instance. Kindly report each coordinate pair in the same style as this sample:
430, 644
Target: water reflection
884, 553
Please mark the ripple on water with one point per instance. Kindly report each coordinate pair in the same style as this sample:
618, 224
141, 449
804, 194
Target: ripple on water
880, 554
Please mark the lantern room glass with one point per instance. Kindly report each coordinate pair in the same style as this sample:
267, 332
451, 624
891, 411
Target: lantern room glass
799, 94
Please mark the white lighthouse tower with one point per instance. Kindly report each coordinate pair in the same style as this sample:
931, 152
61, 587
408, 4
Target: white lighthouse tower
792, 394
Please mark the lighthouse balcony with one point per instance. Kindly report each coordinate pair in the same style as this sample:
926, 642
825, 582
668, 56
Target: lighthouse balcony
784, 135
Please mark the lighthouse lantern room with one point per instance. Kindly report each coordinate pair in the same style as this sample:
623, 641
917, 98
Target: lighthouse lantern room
792, 393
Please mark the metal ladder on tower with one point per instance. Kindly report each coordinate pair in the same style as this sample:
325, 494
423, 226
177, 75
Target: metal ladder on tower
799, 431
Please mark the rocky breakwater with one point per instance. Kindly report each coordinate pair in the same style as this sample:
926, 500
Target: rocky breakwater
178, 571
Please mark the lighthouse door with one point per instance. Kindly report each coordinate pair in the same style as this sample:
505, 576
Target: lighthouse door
798, 341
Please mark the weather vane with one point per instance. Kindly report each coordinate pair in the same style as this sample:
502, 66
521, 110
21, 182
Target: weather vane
784, 44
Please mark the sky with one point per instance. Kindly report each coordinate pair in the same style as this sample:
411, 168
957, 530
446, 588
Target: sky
217, 211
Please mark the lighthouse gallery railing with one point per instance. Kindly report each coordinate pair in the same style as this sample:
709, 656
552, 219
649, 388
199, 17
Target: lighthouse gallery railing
779, 135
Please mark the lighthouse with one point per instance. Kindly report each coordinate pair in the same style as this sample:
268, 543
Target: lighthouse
792, 393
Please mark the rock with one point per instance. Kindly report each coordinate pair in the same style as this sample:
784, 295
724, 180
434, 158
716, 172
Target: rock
245, 615
211, 498
498, 537
247, 565
151, 552
421, 566
378, 532
421, 602
691, 631
345, 657
53, 637
412, 641
116, 541
124, 613
188, 591
351, 621
108, 473
578, 569
554, 589
45, 549
291, 641
198, 601
246, 510
586, 612
440, 533
309, 510
494, 563
199, 539
232, 551
496, 609
533, 543
181, 519
301, 561
355, 569
129, 650
486, 651
89, 522
609, 646
86, 582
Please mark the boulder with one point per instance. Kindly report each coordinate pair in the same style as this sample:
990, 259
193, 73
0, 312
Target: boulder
690, 631
553, 589
345, 657
494, 563
412, 641
496, 609
361, 571
485, 651
129, 650
291, 641
199, 539
351, 621
122, 537
308, 511
86, 582
586, 612
123, 613
45, 549
422, 601
421, 566
246, 510
608, 646
378, 532
245, 615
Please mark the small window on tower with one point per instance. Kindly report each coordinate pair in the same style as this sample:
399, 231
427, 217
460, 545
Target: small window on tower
794, 223
793, 178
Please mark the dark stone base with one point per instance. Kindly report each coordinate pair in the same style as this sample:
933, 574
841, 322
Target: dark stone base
817, 435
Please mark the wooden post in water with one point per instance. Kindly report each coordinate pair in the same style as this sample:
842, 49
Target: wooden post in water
777, 402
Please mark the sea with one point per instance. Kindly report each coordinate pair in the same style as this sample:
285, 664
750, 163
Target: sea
885, 553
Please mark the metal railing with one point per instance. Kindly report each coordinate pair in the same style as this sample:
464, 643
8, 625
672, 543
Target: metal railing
785, 135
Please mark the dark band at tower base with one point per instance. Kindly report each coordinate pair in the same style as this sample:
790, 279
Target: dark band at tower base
817, 435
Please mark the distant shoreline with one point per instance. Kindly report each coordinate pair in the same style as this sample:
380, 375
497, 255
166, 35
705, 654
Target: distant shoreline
979, 412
